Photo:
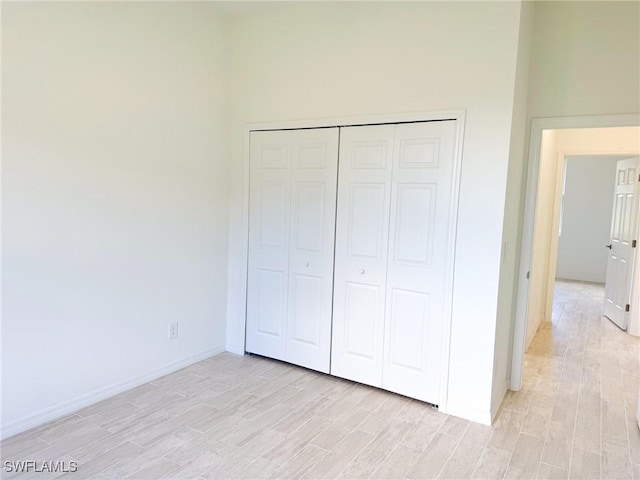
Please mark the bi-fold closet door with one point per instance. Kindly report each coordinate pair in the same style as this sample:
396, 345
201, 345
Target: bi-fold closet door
375, 313
292, 205
390, 286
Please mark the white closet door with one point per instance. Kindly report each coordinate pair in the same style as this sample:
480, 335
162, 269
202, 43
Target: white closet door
314, 159
362, 229
417, 263
268, 273
292, 205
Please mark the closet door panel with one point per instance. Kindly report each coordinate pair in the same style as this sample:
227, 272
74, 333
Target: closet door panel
362, 227
314, 159
417, 264
360, 332
268, 273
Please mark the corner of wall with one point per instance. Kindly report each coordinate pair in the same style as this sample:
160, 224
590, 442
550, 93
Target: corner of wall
497, 401
471, 414
513, 213
236, 349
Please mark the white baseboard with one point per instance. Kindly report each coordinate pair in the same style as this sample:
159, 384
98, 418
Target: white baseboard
497, 403
237, 349
472, 414
45, 415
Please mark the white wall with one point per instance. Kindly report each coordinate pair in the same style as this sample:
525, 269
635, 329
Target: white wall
585, 58
510, 247
116, 188
114, 199
317, 60
589, 186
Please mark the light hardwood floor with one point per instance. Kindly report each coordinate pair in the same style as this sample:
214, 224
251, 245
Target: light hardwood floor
249, 417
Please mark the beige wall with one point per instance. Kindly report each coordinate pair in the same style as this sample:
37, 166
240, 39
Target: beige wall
547, 180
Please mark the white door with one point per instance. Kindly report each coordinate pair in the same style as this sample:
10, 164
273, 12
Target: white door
621, 248
417, 281
362, 232
268, 273
291, 243
314, 161
392, 257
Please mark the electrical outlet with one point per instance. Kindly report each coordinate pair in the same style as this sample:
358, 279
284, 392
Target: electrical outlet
173, 330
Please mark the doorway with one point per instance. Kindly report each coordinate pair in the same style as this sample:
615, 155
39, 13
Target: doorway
552, 141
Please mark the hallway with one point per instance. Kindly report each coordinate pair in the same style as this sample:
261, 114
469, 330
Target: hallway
579, 397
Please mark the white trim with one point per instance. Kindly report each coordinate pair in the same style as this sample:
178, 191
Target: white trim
453, 235
357, 120
537, 126
456, 115
237, 349
633, 325
478, 416
73, 405
497, 403
634, 317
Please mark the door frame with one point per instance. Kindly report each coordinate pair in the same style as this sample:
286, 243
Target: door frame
528, 222
457, 115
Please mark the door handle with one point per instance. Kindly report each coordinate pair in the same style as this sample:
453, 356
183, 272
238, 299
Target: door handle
609, 246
